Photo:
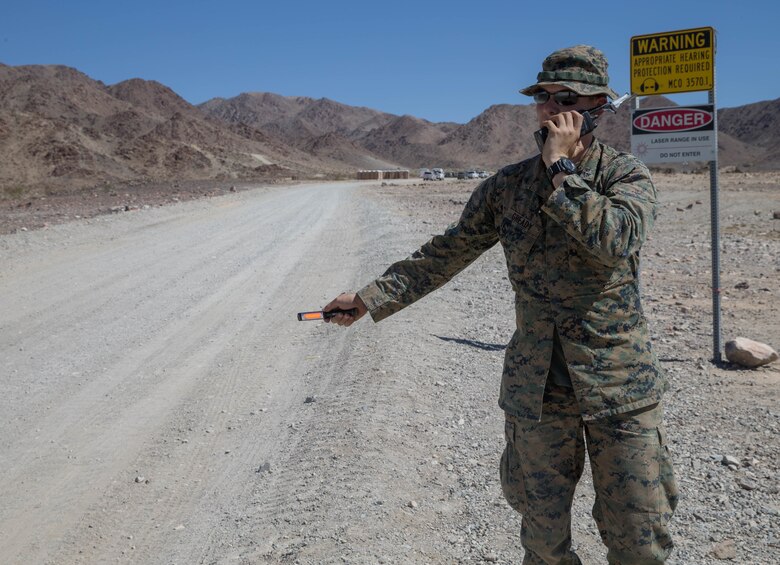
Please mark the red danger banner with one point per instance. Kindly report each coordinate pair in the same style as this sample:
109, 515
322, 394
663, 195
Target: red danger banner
671, 119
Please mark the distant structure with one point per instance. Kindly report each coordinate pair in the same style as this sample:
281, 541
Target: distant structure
382, 175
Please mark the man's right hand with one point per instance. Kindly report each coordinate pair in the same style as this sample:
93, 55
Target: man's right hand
563, 137
345, 301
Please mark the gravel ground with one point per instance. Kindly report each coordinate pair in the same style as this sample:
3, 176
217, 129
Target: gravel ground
185, 417
35, 210
713, 410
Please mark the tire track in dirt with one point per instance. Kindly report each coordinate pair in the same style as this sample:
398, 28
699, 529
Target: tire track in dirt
109, 420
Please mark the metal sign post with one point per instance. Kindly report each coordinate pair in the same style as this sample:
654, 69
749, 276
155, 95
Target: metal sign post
715, 234
674, 62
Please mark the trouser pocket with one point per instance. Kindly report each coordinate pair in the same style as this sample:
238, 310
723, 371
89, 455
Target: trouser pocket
510, 470
636, 493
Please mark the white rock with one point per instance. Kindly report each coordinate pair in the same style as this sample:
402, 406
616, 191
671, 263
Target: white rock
725, 550
729, 460
749, 353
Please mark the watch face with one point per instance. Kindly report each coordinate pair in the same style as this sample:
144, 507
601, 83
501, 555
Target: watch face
562, 165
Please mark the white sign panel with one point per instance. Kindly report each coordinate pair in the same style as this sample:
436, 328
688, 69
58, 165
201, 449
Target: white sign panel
674, 135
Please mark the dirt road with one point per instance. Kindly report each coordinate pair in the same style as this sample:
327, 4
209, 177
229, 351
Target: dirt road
161, 404
152, 363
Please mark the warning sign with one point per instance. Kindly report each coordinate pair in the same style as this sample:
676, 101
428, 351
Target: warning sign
674, 61
674, 135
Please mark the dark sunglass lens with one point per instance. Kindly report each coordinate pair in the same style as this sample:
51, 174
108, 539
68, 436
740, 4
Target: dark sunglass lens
566, 97
562, 98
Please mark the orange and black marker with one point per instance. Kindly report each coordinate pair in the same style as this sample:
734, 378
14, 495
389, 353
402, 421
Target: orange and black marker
320, 315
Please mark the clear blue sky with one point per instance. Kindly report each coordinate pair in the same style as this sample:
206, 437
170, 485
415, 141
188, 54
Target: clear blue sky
441, 61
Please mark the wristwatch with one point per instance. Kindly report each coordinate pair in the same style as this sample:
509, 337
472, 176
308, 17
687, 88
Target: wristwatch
562, 165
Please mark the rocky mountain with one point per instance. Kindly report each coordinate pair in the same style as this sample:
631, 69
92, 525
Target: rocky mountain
62, 130
755, 125
293, 116
321, 127
501, 134
408, 140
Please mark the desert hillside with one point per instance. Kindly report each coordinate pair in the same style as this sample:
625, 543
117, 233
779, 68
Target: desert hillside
63, 132
502, 134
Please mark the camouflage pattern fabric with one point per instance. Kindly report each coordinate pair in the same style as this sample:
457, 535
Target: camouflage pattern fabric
572, 254
581, 68
632, 476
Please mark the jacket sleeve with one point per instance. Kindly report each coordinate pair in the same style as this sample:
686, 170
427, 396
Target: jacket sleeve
437, 261
613, 222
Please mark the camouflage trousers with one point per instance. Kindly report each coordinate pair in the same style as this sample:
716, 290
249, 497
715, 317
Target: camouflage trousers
632, 475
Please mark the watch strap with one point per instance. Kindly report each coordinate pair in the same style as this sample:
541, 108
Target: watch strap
562, 165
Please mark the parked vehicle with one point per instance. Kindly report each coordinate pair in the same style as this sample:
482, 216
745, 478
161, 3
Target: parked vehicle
483, 174
439, 173
472, 175
462, 175
429, 175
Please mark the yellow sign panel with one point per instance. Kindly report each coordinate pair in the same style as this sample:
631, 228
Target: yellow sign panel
674, 61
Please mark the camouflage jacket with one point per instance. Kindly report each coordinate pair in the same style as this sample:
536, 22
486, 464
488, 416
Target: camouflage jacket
573, 259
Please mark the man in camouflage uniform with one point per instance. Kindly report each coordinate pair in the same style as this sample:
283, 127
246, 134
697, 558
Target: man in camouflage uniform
579, 370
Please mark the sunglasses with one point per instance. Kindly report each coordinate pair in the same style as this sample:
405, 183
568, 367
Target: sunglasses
562, 97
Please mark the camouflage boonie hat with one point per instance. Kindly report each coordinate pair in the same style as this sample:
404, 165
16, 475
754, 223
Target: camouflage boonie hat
581, 68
